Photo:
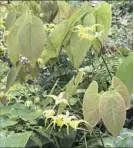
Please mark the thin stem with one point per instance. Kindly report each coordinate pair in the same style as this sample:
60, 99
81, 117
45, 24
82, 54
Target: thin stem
85, 140
101, 139
103, 60
106, 66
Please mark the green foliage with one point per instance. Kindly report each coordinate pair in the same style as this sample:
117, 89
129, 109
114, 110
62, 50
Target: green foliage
120, 32
122, 90
73, 84
123, 140
13, 75
11, 17
125, 72
12, 40
14, 140
31, 38
5, 122
70, 89
49, 10
103, 16
63, 11
3, 70
68, 140
77, 50
56, 49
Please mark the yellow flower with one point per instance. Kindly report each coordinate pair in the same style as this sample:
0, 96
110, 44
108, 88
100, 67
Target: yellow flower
88, 33
59, 120
75, 123
49, 113
40, 61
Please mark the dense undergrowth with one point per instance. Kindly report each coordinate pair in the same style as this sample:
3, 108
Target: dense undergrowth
50, 104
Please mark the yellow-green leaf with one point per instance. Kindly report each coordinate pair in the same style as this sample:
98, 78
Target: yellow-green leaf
89, 20
15, 139
22, 74
31, 38
62, 30
33, 71
125, 72
58, 34
91, 104
11, 17
12, 42
63, 12
113, 111
73, 84
12, 75
70, 89
50, 9
77, 49
120, 87
103, 16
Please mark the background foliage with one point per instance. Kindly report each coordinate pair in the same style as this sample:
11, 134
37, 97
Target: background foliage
28, 103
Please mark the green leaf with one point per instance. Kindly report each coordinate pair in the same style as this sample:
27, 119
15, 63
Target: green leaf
79, 13
89, 20
48, 53
91, 104
50, 9
12, 42
103, 16
58, 34
4, 110
5, 122
122, 90
124, 140
25, 114
63, 12
125, 72
73, 84
70, 89
33, 71
77, 50
22, 74
14, 140
113, 111
11, 17
62, 30
31, 38
12, 75
124, 51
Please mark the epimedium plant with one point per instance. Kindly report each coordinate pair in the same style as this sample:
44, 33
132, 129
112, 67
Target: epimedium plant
33, 41
49, 44
111, 106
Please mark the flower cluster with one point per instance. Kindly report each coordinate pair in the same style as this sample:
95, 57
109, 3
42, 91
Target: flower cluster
62, 119
89, 33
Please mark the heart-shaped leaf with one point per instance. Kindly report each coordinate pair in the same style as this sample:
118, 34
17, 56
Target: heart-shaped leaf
122, 90
103, 16
125, 73
113, 111
31, 38
91, 104
12, 42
